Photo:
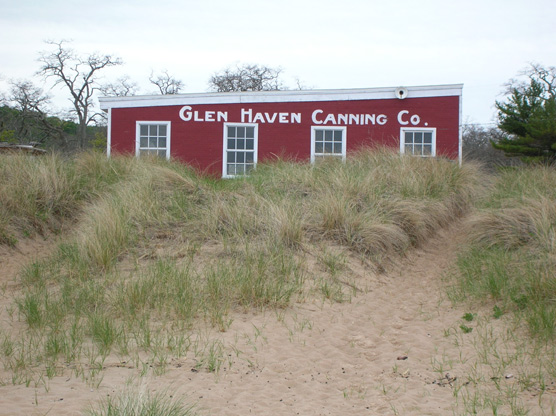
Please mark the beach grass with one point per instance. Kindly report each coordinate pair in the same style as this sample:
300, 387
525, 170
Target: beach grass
138, 402
149, 249
510, 258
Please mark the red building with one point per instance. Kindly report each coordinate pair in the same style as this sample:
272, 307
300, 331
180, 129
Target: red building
228, 133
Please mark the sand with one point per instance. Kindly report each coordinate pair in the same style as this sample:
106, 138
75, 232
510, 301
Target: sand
395, 348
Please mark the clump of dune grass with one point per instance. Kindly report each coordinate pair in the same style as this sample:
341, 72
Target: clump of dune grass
34, 192
377, 203
511, 257
116, 218
41, 194
141, 403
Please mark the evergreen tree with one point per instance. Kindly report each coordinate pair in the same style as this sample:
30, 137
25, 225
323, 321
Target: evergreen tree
529, 117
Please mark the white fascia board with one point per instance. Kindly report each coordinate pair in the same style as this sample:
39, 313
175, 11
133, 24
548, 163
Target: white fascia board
278, 96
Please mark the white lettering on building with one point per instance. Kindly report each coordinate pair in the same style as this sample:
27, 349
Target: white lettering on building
187, 114
414, 119
247, 116
318, 116
314, 117
340, 119
246, 113
400, 115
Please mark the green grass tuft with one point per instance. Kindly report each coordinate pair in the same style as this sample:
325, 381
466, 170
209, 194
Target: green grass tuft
511, 256
138, 403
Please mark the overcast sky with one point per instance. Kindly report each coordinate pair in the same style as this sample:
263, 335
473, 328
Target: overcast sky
325, 44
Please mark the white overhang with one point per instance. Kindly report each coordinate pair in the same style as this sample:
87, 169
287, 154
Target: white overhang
279, 96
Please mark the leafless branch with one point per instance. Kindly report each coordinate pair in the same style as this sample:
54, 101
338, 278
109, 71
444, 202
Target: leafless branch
247, 78
166, 83
123, 87
78, 75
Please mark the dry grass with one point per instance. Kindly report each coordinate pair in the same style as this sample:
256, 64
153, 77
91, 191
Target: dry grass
377, 204
531, 222
151, 251
511, 256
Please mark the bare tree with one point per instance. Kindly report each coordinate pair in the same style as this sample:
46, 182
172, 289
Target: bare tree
123, 87
166, 83
34, 122
300, 85
247, 78
477, 146
79, 76
545, 77
27, 97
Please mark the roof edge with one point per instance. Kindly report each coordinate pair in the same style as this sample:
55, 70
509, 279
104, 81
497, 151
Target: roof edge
279, 96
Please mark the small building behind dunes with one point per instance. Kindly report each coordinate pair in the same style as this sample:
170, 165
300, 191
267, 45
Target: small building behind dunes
227, 134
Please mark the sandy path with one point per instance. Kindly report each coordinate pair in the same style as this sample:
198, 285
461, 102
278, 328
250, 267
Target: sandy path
314, 359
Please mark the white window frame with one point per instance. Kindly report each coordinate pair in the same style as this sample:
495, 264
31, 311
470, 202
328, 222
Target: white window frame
138, 125
225, 146
404, 130
313, 137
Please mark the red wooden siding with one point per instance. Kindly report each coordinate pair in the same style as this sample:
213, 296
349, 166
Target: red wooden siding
200, 143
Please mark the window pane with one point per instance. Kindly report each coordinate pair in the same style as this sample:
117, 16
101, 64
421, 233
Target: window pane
240, 144
427, 149
153, 130
231, 132
408, 137
162, 142
240, 157
318, 147
409, 149
144, 130
249, 167
231, 157
162, 130
152, 141
338, 148
240, 169
328, 135
162, 153
418, 137
327, 147
249, 157
318, 135
241, 132
428, 138
337, 135
249, 144
144, 142
250, 132
231, 169
418, 150
231, 144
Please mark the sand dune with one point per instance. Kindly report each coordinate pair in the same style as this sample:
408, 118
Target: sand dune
390, 350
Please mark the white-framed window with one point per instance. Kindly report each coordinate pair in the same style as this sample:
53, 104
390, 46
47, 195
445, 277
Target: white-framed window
240, 149
153, 138
328, 142
418, 141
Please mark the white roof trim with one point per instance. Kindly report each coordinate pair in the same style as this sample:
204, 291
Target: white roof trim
278, 96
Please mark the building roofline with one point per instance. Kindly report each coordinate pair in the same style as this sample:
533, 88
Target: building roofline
279, 96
